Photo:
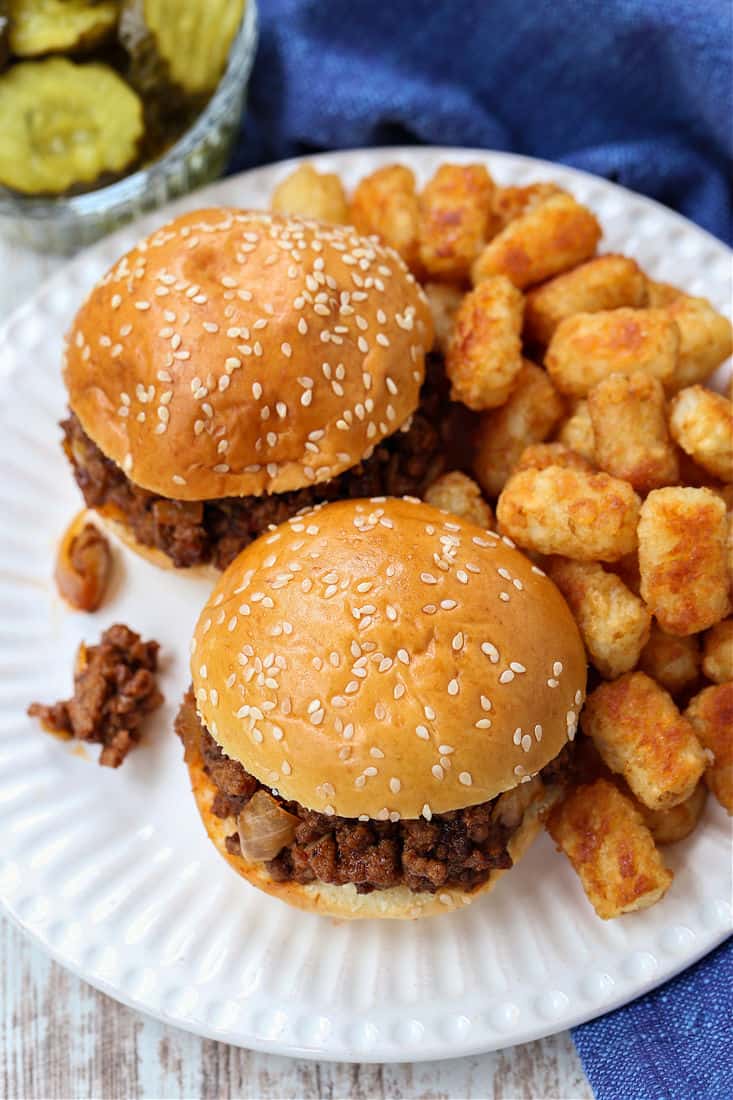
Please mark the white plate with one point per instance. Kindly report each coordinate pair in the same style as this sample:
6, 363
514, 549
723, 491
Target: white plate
111, 871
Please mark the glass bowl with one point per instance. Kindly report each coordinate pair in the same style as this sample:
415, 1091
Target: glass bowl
64, 225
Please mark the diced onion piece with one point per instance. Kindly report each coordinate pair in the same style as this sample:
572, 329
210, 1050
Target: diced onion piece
265, 828
83, 565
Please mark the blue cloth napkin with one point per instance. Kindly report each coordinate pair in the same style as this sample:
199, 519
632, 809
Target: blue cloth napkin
674, 1044
638, 91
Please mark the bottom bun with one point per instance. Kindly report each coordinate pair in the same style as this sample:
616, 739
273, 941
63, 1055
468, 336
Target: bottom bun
395, 903
112, 520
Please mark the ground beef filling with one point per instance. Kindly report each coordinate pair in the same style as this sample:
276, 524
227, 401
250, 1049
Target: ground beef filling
114, 689
458, 849
194, 532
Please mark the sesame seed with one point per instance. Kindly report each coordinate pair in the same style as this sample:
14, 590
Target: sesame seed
448, 605
465, 778
422, 732
457, 642
399, 691
504, 596
557, 668
428, 578
553, 683
453, 687
485, 703
483, 724
403, 655
394, 785
371, 771
578, 698
429, 713
376, 753
437, 771
491, 652
427, 813
506, 677
515, 666
538, 732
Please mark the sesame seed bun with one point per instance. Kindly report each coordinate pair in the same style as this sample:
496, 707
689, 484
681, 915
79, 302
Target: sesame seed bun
236, 354
387, 659
396, 902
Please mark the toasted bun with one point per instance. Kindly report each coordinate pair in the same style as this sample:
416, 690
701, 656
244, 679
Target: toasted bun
235, 353
385, 658
397, 902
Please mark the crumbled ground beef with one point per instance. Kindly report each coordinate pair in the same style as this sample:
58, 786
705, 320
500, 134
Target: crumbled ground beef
114, 688
460, 848
194, 532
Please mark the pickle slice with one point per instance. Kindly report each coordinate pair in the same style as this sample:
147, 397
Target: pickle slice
38, 27
64, 125
183, 45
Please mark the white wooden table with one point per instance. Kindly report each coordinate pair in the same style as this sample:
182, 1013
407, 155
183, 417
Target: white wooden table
61, 1039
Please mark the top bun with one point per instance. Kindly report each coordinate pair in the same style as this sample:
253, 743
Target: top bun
235, 354
384, 658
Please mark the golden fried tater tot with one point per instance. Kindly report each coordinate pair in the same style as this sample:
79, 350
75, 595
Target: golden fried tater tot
587, 347
607, 282
485, 351
589, 517
530, 413
613, 622
611, 849
682, 558
711, 713
642, 736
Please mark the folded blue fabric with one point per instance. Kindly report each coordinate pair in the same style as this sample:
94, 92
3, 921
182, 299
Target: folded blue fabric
674, 1044
638, 91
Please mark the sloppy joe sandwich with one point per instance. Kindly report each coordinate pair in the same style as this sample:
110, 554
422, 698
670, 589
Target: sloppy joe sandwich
382, 707
236, 367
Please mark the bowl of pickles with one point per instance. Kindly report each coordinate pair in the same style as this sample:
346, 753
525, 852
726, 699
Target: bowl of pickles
110, 108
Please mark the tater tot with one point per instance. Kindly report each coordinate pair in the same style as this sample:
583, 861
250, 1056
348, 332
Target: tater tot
456, 219
485, 352
613, 622
589, 517
711, 713
642, 736
385, 204
533, 409
672, 661
589, 346
630, 431
554, 236
613, 852
702, 423
717, 661
682, 558
311, 194
457, 493
577, 432
444, 299
659, 295
607, 282
511, 202
669, 826
538, 456
706, 339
